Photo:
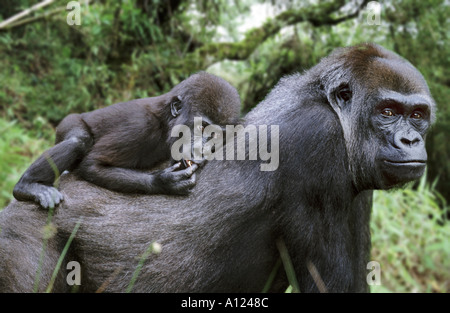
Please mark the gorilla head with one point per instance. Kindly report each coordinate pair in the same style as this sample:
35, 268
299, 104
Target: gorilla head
385, 109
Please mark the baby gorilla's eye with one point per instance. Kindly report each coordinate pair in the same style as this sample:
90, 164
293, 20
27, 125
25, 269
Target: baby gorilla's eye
387, 112
417, 115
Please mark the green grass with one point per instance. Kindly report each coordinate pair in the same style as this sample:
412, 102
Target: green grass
17, 150
411, 240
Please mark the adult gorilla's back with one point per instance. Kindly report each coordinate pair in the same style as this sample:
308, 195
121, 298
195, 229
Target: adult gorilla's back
203, 237
338, 140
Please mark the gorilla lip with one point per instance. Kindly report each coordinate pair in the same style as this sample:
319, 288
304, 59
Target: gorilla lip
399, 172
417, 163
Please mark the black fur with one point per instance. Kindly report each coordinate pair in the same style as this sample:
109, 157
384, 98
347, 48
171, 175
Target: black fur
115, 147
222, 237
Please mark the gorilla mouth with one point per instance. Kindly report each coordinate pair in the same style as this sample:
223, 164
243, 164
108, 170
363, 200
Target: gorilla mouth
412, 163
187, 163
399, 172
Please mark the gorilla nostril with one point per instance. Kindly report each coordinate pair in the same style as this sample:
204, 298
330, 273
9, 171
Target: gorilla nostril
406, 141
410, 142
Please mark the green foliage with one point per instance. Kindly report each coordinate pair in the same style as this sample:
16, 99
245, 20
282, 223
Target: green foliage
17, 149
411, 240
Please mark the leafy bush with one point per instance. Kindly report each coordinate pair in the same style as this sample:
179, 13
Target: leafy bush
411, 240
17, 149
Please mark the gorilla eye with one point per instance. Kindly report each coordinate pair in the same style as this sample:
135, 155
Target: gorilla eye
417, 115
387, 112
345, 93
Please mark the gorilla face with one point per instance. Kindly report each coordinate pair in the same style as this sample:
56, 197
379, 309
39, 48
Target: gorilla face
402, 122
385, 109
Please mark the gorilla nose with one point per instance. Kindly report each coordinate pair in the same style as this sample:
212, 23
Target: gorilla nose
411, 139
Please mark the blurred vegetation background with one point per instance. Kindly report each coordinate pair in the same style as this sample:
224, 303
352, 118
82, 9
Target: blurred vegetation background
130, 49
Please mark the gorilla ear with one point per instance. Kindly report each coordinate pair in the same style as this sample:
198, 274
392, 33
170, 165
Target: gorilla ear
339, 98
175, 106
343, 95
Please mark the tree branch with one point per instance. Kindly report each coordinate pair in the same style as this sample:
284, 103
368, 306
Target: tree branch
11, 22
26, 12
318, 15
33, 19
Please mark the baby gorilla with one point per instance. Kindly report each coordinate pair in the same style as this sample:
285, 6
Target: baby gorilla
116, 146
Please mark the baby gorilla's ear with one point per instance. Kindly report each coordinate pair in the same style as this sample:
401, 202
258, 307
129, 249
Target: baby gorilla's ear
175, 106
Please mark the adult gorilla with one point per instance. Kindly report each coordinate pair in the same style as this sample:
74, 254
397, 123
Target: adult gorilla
355, 122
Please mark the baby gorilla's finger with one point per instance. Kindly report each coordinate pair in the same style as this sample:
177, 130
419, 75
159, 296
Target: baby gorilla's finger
190, 170
190, 182
54, 196
50, 199
185, 173
174, 167
201, 162
44, 200
57, 196
187, 185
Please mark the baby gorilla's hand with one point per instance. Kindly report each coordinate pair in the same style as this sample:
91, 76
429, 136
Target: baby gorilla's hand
47, 196
178, 181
